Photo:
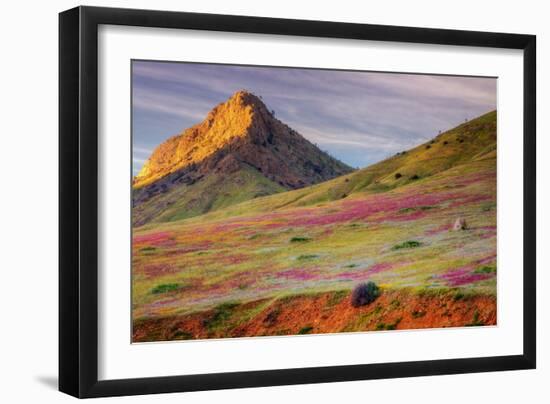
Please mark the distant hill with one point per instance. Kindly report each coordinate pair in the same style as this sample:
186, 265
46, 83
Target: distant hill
472, 141
239, 152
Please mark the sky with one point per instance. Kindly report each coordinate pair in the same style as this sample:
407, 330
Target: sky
358, 117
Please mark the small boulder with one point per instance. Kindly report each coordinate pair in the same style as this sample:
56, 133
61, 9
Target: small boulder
460, 224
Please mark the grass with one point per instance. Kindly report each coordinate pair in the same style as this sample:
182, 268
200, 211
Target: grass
337, 297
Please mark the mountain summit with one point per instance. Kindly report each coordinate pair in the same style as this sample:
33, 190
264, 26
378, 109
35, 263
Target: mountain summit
240, 151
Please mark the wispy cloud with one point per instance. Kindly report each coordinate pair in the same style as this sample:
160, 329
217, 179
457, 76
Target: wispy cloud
342, 111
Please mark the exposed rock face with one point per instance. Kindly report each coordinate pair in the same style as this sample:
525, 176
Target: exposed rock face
240, 132
244, 128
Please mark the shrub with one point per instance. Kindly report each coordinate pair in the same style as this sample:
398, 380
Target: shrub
148, 250
305, 330
165, 288
485, 270
445, 143
428, 146
458, 296
397, 176
364, 293
407, 244
305, 257
299, 239
415, 177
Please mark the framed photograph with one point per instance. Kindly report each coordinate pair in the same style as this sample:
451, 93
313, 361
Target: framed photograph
251, 201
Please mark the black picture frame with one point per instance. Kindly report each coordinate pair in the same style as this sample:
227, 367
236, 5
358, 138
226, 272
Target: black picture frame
78, 201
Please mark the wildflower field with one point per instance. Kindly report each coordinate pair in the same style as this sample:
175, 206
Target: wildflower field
287, 263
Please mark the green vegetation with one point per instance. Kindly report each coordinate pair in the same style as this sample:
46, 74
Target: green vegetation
165, 288
337, 297
213, 192
299, 239
306, 257
485, 270
222, 313
181, 335
423, 208
458, 296
388, 327
407, 244
476, 322
305, 330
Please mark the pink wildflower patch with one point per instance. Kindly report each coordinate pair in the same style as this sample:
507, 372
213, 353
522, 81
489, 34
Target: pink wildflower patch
299, 274
154, 270
463, 276
160, 239
380, 267
487, 260
190, 248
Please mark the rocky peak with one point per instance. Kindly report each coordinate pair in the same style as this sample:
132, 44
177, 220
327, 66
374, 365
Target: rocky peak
244, 127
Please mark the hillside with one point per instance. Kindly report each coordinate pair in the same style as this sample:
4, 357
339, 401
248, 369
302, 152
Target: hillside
474, 140
240, 151
286, 263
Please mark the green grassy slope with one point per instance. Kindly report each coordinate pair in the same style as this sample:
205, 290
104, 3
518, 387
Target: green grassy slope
471, 141
215, 191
